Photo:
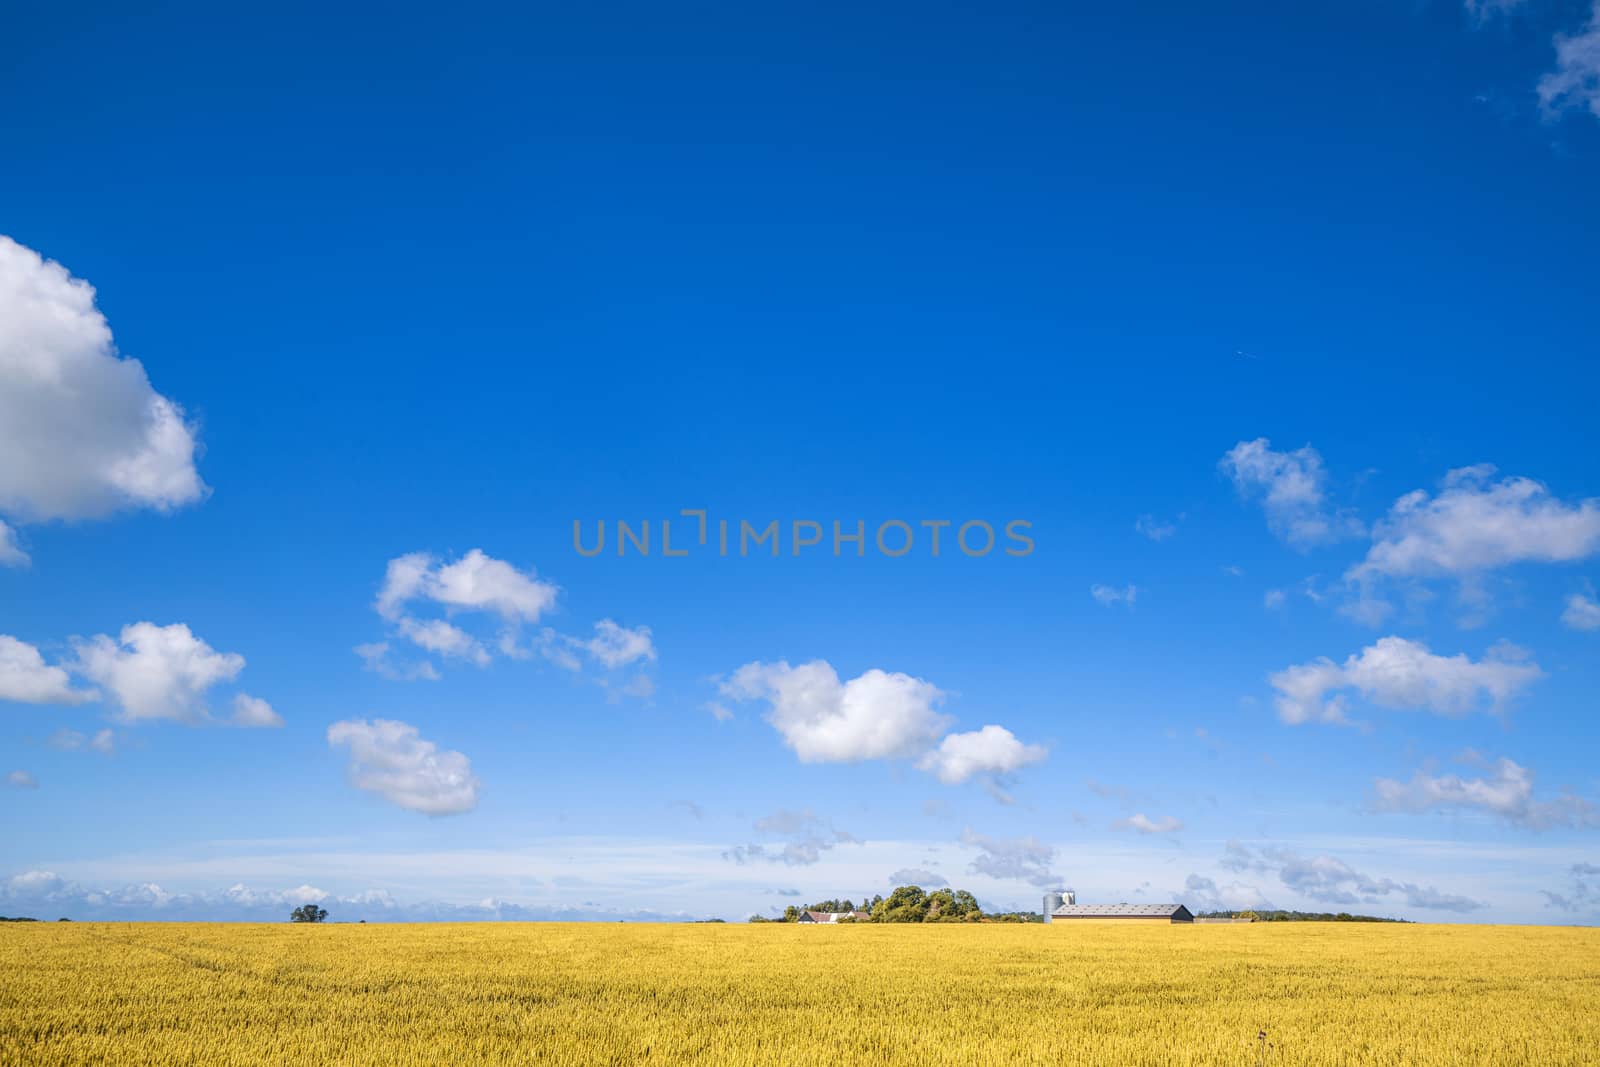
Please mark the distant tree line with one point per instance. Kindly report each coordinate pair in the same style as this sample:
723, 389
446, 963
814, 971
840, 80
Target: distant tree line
908, 904
1298, 917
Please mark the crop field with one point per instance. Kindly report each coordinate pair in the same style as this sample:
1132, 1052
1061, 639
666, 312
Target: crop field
782, 994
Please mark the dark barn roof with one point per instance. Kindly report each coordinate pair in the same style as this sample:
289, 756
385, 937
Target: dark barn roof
1176, 912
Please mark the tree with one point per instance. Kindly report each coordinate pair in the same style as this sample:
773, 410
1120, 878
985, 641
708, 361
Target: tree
791, 914
308, 913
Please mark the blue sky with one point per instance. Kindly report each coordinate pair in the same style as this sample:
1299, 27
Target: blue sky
1275, 326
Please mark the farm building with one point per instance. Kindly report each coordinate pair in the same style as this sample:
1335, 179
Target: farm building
1124, 913
832, 917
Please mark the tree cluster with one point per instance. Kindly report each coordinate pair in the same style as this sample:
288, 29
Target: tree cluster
308, 913
907, 904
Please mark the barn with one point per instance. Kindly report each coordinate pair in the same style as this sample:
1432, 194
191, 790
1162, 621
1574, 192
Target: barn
1122, 913
832, 917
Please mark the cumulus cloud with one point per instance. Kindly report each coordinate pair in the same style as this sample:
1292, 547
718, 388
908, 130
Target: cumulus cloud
1575, 81
82, 433
1582, 612
1398, 673
393, 760
475, 582
11, 554
615, 645
1476, 524
156, 672
876, 715
249, 711
25, 678
993, 750
1507, 793
1142, 823
22, 780
1025, 859
1332, 881
1110, 594
918, 876
1292, 487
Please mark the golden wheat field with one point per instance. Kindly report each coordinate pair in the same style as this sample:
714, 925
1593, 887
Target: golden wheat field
784, 994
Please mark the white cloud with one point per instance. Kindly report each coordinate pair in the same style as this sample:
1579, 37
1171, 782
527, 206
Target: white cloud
1110, 594
1398, 673
391, 759
252, 711
1292, 487
26, 679
1143, 824
993, 750
82, 433
1507, 794
1273, 599
1154, 528
1575, 81
1025, 859
438, 636
156, 672
475, 582
11, 554
617, 646
877, 715
1475, 525
1582, 612
22, 780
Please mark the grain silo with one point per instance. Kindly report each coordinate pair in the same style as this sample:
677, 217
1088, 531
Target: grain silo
1055, 898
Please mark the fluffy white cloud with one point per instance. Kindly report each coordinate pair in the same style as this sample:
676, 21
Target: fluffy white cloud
475, 582
1110, 594
1025, 859
22, 780
1398, 673
27, 679
82, 433
156, 672
1292, 487
992, 750
617, 646
11, 554
393, 760
1508, 793
1476, 524
1582, 612
249, 711
1575, 81
877, 715
441, 637
1142, 823
1273, 599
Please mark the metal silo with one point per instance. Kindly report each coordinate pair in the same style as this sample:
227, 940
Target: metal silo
1053, 900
